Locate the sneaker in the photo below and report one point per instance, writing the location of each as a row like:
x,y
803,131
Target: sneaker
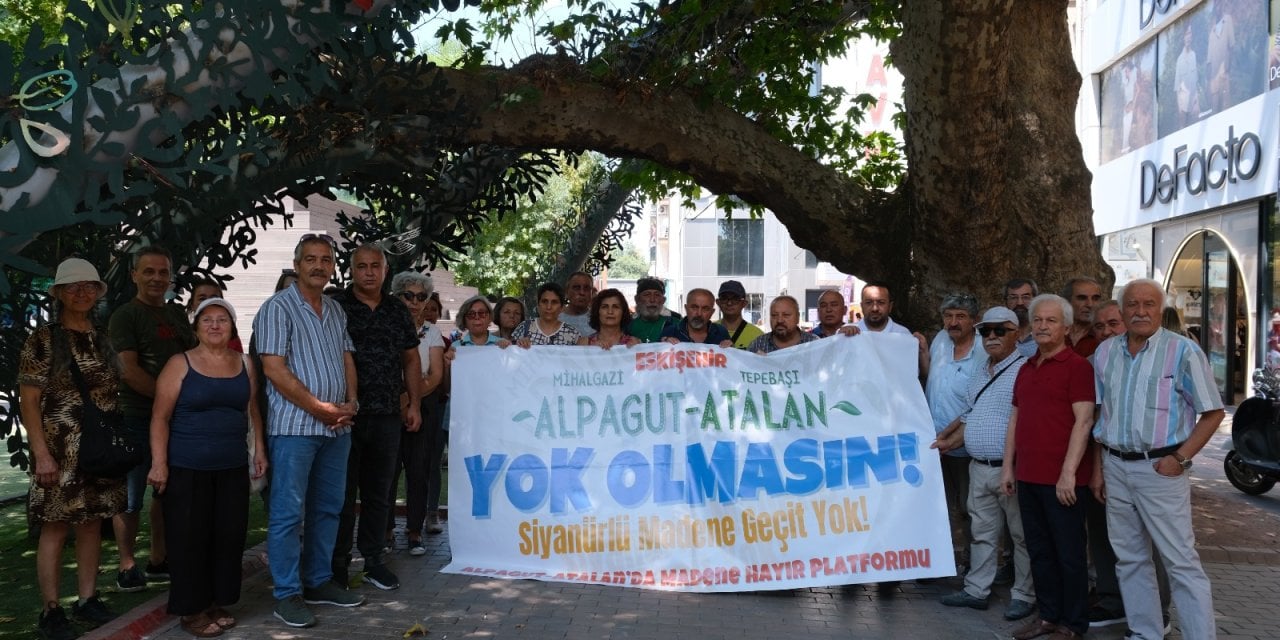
x,y
54,625
331,593
1004,575
381,577
963,599
294,612
1018,609
92,611
157,572
433,524
416,548
130,580
1103,617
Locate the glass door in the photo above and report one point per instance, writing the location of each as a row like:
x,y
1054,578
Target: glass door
x,y
1226,341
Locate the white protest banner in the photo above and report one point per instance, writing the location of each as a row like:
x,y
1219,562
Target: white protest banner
x,y
695,468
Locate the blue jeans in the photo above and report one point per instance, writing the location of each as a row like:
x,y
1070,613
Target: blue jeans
x,y
136,480
310,472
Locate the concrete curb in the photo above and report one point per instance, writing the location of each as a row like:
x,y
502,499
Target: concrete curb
x,y
151,616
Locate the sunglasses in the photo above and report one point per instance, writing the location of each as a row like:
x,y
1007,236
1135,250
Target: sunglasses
x,y
324,237
999,331
476,315
409,296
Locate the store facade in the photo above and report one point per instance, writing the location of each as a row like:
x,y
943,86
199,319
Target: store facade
x,y
1183,143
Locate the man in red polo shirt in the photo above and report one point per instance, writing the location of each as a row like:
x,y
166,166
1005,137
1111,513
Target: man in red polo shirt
x,y
1053,400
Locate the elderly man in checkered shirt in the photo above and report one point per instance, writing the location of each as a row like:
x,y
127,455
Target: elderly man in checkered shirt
x,y
981,430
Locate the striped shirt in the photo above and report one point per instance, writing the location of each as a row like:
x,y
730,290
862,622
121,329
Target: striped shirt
x,y
313,348
987,421
1151,400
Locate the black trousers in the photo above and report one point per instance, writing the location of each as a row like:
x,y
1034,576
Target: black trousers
x,y
1056,542
375,448
420,454
206,515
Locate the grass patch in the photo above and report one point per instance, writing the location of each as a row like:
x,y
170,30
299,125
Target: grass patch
x,y
21,604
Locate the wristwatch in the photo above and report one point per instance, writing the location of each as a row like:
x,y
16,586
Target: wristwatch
x,y
1185,462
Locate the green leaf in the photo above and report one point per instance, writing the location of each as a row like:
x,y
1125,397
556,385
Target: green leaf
x,y
847,407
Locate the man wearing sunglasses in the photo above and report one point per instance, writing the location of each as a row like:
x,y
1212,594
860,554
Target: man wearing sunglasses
x,y
981,430
387,366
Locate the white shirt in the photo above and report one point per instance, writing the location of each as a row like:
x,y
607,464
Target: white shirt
x,y
428,337
889,327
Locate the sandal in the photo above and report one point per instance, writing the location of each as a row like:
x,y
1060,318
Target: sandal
x,y
201,626
221,617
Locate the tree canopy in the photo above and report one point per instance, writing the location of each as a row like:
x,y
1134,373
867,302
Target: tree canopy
x,y
186,123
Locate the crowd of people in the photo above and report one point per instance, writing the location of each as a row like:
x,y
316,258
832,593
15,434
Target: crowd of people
x,y
1067,443
1067,446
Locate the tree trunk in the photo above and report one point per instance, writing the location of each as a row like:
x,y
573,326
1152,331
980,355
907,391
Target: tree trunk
x,y
998,186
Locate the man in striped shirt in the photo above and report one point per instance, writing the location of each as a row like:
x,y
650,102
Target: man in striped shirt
x,y
1159,406
311,401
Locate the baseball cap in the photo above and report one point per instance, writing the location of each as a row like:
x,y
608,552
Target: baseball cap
x,y
732,288
998,315
221,302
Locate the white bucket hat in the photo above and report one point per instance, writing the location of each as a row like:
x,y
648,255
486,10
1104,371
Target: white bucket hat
x,y
73,270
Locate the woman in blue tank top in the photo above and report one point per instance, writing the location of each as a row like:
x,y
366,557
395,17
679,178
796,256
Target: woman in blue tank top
x,y
205,405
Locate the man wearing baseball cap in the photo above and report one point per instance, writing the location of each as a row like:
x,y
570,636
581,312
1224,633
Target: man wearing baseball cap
x,y
731,299
981,430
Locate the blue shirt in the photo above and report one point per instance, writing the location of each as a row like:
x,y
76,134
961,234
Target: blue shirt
x,y
314,348
716,333
1151,400
948,383
209,422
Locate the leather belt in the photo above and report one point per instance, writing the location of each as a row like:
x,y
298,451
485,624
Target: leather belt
x,y
990,463
1153,454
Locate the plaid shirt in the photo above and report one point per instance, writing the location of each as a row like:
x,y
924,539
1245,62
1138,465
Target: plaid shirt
x,y
987,420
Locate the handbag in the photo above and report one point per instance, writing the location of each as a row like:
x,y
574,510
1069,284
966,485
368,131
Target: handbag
x,y
107,448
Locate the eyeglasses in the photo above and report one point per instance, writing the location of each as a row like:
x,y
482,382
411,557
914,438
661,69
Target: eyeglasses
x,y
324,237
476,315
87,286
409,296
999,331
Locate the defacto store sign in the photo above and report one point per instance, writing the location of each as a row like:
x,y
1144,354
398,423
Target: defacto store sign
x,y
1149,9
1198,171
694,468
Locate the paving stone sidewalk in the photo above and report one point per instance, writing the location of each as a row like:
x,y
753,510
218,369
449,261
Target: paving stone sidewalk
x,y
453,606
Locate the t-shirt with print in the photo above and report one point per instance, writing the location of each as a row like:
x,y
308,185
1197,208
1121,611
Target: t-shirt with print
x,y
155,334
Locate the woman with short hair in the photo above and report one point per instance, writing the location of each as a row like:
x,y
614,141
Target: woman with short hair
x,y
205,405
508,313
609,316
421,451
546,327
